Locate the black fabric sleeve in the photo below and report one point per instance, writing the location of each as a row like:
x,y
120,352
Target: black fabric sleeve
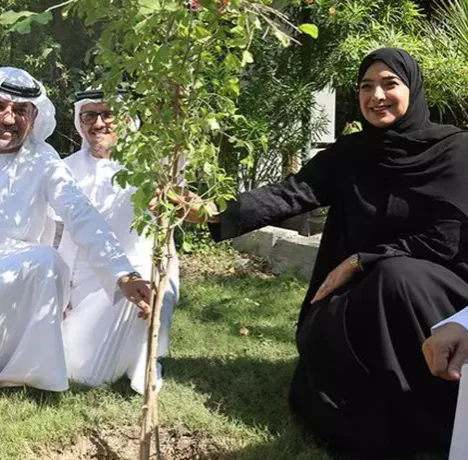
x,y
313,186
441,242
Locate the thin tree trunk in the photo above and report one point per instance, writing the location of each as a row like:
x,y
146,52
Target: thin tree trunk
x,y
160,276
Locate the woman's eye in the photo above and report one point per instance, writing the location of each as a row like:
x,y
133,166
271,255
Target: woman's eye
x,y
365,87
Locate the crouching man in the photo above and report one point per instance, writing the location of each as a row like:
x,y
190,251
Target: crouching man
x,y
103,339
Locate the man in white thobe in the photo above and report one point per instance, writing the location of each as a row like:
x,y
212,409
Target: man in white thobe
x,y
103,339
34,280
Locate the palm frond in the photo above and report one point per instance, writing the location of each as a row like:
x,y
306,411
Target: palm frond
x,y
452,16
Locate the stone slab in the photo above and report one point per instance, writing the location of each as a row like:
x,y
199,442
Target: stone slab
x,y
285,249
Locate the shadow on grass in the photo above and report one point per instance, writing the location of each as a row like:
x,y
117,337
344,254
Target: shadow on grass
x,y
255,392
247,299
252,391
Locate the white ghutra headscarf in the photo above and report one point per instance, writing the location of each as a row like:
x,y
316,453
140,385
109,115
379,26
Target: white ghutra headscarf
x,y
17,85
94,96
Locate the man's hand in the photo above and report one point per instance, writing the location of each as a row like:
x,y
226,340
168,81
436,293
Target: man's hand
x,y
138,291
447,350
190,207
337,278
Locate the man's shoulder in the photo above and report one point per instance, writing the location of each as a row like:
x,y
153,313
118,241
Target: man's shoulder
x,y
74,158
40,153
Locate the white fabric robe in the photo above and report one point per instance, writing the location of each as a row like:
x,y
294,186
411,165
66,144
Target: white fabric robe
x,y
34,280
104,338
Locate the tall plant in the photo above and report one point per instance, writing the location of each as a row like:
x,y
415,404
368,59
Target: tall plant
x,y
275,98
349,29
181,62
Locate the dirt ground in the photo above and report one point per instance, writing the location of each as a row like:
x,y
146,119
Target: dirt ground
x,y
122,443
193,266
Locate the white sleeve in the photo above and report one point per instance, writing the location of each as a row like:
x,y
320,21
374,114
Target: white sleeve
x,y
460,317
87,228
48,236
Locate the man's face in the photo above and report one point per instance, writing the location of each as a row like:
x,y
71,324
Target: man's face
x,y
16,122
97,123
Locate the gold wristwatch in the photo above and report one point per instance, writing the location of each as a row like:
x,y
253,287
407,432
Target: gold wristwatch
x,y
355,262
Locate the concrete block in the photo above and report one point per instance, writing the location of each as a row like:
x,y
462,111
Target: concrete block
x,y
260,242
285,249
294,254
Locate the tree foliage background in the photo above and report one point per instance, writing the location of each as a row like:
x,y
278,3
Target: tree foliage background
x,y
276,94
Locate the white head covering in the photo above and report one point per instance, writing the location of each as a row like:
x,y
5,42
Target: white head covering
x,y
78,105
18,86
95,97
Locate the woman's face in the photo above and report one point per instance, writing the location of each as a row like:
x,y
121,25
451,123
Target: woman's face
x,y
383,97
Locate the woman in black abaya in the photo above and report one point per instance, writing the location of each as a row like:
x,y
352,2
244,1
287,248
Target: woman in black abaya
x,y
393,262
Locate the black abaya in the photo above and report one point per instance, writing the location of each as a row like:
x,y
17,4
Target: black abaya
x,y
361,381
399,199
361,376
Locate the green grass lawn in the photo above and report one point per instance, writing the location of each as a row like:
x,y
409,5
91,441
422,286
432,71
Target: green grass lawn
x,y
227,377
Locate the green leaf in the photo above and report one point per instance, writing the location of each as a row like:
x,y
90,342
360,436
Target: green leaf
x,y
42,18
284,39
46,52
208,168
170,5
264,142
149,6
221,204
202,33
12,17
233,85
213,124
232,62
309,29
186,247
21,22
22,27
247,58
248,161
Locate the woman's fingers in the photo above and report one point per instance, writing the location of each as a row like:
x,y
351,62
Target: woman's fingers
x,y
322,292
189,203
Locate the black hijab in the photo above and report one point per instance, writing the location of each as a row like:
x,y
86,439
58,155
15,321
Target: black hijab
x,y
420,156
417,115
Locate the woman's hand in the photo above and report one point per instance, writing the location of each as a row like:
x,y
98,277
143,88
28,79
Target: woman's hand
x,y
338,277
190,206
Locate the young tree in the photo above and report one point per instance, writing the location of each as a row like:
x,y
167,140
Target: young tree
x,y
181,62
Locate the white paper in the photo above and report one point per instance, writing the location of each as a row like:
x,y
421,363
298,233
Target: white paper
x,y
459,446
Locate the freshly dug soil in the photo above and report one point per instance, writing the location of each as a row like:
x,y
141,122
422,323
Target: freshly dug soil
x,y
122,443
